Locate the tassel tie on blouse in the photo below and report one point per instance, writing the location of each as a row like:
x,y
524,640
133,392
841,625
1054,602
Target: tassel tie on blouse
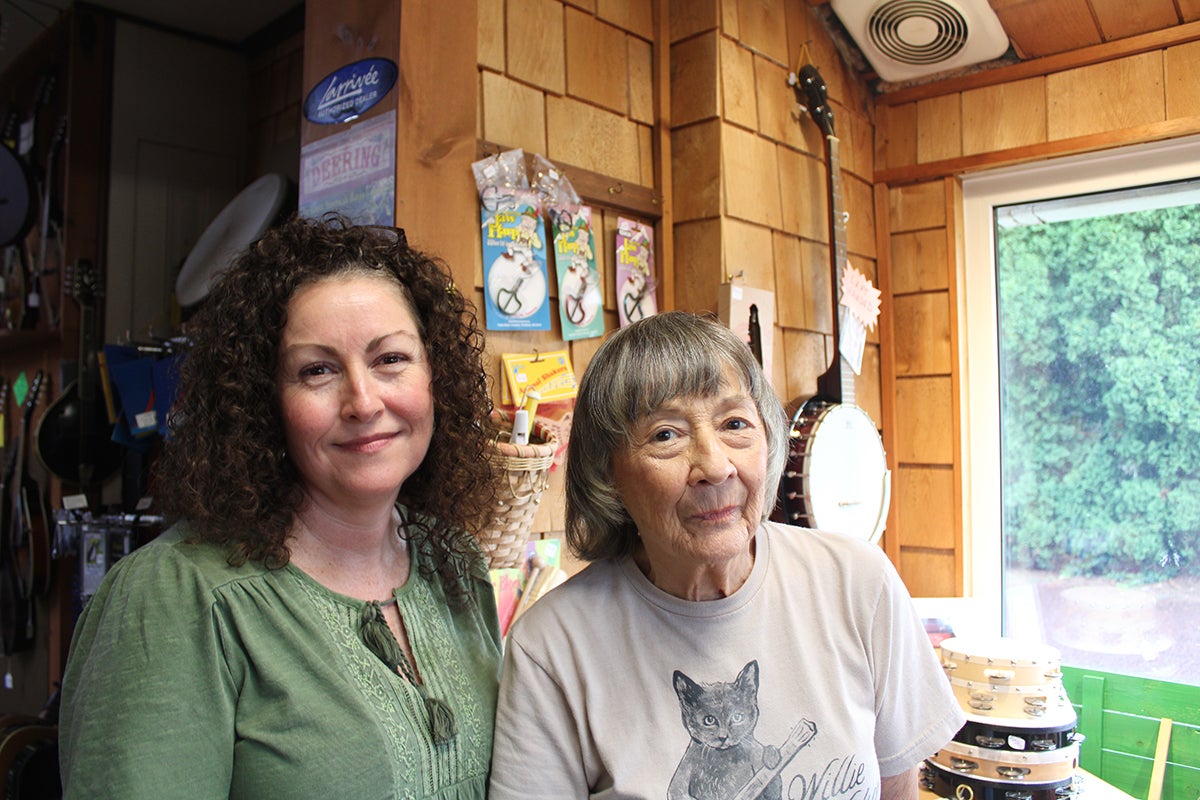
x,y
380,640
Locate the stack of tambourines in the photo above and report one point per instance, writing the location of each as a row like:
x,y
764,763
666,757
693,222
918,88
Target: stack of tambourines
x,y
1019,742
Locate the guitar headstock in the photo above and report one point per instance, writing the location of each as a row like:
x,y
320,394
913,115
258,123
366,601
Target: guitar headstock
x,y
34,396
45,91
811,92
8,129
60,135
84,282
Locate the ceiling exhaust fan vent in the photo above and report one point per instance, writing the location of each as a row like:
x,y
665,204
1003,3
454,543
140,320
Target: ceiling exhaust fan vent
x,y
906,39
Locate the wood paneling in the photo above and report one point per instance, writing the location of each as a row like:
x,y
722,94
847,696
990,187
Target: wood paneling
x,y
818,300
924,346
860,223
1003,116
896,135
920,261
1180,67
513,113
924,498
641,80
789,282
699,255
759,28
858,146
1105,97
924,420
1189,10
916,207
592,138
929,573
867,385
805,358
738,96
776,105
939,128
1041,29
490,43
749,252
435,197
694,79
696,162
1132,90
691,18
804,204
635,16
535,43
1121,18
751,177
597,60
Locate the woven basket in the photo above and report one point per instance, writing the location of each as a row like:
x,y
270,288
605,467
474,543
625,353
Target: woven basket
x,y
523,473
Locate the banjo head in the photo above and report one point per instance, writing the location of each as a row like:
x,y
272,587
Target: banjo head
x,y
836,477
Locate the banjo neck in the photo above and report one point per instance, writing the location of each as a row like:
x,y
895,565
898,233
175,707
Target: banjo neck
x,y
837,383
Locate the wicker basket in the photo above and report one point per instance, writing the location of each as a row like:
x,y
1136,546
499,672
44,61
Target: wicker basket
x,y
523,472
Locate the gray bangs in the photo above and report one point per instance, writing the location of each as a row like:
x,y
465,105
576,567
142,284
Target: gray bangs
x,y
666,361
686,373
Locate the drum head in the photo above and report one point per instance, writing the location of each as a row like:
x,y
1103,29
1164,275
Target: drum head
x,y
239,225
16,197
847,473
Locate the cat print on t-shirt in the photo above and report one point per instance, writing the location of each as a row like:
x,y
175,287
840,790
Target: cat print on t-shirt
x,y
724,760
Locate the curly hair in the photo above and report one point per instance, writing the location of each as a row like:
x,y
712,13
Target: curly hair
x,y
224,467
637,369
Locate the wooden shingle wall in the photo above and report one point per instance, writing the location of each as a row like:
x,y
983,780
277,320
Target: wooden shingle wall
x,y
750,176
922,385
690,98
576,83
926,138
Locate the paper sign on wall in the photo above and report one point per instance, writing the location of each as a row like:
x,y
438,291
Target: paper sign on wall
x,y
635,271
737,305
516,292
579,298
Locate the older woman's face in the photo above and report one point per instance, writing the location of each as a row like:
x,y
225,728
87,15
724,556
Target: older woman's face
x,y
355,389
692,476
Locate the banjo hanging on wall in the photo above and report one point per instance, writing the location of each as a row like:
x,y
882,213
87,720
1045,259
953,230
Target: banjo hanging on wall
x,y
836,478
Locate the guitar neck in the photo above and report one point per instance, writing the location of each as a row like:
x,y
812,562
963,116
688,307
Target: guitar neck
x,y
838,383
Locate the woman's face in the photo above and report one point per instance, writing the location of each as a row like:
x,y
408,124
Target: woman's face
x,y
354,388
692,476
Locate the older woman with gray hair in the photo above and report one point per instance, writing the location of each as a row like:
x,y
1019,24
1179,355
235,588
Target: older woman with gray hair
x,y
707,652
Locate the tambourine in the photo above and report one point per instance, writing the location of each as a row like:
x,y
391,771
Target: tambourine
x,y
1001,735
1001,661
1010,702
947,783
1051,766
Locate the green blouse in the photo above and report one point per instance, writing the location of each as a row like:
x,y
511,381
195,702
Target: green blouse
x,y
188,678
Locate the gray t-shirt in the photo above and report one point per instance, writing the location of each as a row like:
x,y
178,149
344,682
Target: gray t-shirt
x,y
818,666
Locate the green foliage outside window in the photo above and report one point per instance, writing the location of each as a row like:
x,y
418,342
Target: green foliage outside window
x,y
1099,323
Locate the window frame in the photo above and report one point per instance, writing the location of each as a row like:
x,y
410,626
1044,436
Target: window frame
x,y
980,610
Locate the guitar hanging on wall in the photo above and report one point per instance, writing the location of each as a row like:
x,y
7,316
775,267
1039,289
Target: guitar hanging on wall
x,y
23,562
74,436
836,478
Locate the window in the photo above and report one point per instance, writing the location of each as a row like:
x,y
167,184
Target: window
x,y
1095,590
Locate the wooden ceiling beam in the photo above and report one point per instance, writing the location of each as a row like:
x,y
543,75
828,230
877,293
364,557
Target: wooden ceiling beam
x,y
1096,54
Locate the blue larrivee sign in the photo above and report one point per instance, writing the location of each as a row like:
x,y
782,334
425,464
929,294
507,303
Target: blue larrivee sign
x,y
346,93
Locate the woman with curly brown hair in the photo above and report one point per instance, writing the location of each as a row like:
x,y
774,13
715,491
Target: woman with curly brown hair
x,y
318,623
